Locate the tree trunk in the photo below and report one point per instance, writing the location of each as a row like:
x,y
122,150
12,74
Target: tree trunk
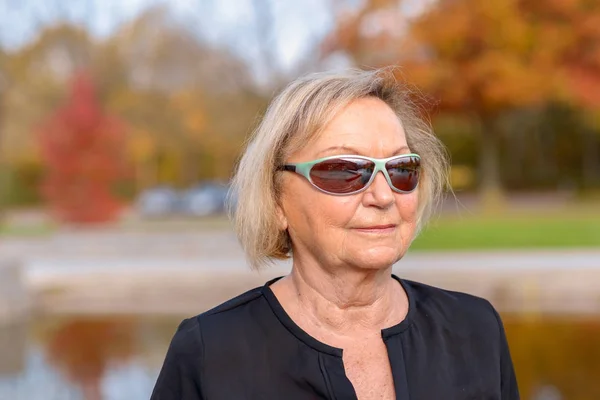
x,y
548,163
3,168
590,159
190,165
490,185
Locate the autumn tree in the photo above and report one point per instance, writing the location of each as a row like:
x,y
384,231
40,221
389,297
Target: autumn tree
x,y
187,103
82,149
36,80
26,91
576,27
480,59
206,97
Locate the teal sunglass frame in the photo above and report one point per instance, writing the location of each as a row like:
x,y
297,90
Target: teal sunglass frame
x,y
412,166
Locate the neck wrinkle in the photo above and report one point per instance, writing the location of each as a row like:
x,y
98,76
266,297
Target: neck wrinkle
x,y
354,301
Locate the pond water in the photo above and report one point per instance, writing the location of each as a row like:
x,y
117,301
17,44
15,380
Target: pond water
x,y
113,358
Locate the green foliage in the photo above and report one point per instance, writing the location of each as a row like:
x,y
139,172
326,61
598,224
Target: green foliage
x,y
24,179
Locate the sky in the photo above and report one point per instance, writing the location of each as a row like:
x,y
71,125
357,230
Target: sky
x,y
297,23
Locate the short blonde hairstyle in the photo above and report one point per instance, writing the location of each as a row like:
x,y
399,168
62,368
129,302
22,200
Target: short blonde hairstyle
x,y
297,115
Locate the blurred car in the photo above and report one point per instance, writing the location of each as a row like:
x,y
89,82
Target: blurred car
x,y
205,199
156,202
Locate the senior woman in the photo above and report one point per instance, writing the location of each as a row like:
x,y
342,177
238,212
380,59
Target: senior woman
x,y
340,176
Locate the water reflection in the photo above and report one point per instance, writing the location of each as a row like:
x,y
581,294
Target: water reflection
x,y
556,358
84,358
116,358
13,342
84,349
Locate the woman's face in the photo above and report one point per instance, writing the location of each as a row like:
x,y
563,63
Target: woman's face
x,y
336,231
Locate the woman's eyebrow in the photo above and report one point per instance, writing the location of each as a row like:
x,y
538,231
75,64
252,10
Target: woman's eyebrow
x,y
352,150
401,150
345,149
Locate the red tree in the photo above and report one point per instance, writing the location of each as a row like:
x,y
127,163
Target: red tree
x,y
83,152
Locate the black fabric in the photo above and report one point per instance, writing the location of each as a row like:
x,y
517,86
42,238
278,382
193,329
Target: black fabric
x,y
451,345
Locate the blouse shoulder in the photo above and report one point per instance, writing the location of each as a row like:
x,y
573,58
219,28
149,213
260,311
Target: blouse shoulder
x,y
188,337
234,303
180,375
454,308
467,318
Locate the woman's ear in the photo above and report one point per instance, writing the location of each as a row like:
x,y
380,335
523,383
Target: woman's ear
x,y
282,222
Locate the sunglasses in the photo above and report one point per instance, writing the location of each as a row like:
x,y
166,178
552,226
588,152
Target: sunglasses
x,y
345,175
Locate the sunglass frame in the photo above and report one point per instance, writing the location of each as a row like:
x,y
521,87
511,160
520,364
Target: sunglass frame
x,y
304,168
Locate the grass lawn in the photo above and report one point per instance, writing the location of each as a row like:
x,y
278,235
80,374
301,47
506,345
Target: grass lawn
x,y
575,226
514,231
26,230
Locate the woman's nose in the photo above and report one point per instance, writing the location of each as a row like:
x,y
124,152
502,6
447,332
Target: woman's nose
x,y
379,193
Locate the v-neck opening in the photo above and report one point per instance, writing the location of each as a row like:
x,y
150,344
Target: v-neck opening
x,y
303,336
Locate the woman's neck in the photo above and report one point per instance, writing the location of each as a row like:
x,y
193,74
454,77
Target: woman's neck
x,y
348,302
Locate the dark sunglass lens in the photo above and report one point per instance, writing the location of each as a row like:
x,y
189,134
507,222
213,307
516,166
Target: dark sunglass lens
x,y
342,175
404,173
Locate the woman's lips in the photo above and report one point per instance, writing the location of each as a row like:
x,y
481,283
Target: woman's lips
x,y
377,229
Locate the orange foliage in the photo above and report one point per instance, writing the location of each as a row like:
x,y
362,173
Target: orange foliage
x,y
484,57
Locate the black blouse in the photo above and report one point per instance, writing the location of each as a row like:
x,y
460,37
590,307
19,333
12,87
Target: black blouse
x,y
450,346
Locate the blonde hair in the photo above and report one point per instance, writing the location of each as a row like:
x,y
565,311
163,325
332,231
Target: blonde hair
x,y
295,116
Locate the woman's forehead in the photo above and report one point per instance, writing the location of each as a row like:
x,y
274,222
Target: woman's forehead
x,y
364,115
364,126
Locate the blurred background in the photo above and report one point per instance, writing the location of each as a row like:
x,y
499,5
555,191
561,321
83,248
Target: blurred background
x,y
121,122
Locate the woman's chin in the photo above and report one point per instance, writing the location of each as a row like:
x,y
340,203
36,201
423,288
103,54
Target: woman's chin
x,y
376,258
